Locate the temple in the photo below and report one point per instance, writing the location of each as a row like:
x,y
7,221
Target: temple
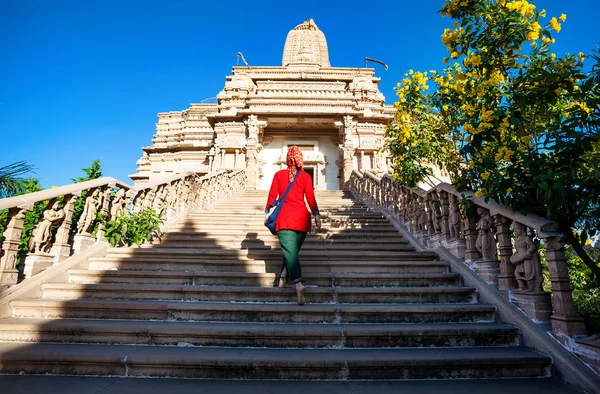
x,y
337,116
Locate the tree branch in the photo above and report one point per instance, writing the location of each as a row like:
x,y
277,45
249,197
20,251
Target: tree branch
x,y
591,264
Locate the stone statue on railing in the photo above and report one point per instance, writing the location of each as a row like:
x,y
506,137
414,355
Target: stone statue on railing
x,y
118,204
88,217
42,232
454,219
436,213
159,200
421,215
528,270
486,243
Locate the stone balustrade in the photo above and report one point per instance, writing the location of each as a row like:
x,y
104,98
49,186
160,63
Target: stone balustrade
x,y
54,236
481,234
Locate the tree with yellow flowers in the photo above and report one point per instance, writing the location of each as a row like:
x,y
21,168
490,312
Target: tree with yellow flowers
x,y
507,118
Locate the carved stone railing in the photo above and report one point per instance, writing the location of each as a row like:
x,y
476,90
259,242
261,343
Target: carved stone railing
x,y
54,238
480,233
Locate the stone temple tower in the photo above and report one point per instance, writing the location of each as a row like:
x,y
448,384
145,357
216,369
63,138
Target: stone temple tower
x,y
335,115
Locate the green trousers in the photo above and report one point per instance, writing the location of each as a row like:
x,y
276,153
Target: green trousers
x,y
291,241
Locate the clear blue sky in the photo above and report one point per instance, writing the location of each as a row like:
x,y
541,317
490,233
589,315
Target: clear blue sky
x,y
84,79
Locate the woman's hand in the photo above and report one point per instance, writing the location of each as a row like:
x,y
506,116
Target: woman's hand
x,y
317,222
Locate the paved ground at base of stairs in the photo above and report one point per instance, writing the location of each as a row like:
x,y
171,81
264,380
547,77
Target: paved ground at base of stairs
x,y
25,384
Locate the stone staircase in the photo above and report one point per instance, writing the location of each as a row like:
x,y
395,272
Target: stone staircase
x,y
202,302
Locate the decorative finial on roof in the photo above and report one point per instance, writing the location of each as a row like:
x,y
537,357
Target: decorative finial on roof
x,y
306,44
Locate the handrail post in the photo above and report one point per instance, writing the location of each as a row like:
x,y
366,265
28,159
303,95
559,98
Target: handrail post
x,y
565,322
9,273
506,277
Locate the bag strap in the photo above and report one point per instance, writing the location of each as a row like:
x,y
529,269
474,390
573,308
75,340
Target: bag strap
x,y
282,199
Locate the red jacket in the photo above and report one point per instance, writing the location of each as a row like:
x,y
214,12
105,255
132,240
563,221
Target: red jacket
x,y
293,214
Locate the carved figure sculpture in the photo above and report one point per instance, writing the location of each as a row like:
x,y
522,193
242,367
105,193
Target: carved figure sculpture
x,y
436,213
528,270
486,243
88,217
42,233
159,200
349,129
118,203
252,129
421,214
454,219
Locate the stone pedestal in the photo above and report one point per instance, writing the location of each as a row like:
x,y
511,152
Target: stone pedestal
x,y
458,247
82,241
36,263
171,213
537,305
8,278
434,241
422,236
487,269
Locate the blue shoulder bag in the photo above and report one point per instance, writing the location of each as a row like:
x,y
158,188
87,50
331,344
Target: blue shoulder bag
x,y
271,222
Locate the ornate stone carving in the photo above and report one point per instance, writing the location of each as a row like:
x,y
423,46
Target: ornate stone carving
x,y
118,204
42,232
349,129
252,129
88,217
306,44
486,243
454,218
528,270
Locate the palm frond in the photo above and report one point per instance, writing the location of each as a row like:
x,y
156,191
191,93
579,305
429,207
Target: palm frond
x,y
11,178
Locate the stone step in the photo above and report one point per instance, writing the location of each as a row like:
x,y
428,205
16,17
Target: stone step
x,y
254,245
253,312
333,295
305,364
260,279
258,334
339,238
260,227
263,232
305,255
272,265
259,220
260,214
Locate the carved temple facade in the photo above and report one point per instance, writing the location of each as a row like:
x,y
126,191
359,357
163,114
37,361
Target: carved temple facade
x,y
337,116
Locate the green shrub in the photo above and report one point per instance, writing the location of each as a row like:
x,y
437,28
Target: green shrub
x,y
134,229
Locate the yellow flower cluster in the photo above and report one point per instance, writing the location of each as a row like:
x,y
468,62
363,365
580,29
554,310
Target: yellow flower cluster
x,y
450,36
521,6
547,40
485,176
504,153
453,5
479,193
534,33
581,106
503,128
555,25
474,60
526,139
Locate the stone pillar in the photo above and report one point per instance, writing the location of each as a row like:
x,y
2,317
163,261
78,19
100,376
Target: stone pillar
x,y
445,213
565,321
251,168
61,249
347,154
104,209
10,246
506,277
362,166
470,233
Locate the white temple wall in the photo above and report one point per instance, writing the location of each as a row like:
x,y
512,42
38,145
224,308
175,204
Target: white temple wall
x,y
273,152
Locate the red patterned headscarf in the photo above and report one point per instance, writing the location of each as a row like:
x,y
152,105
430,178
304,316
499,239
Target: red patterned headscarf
x,y
295,161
